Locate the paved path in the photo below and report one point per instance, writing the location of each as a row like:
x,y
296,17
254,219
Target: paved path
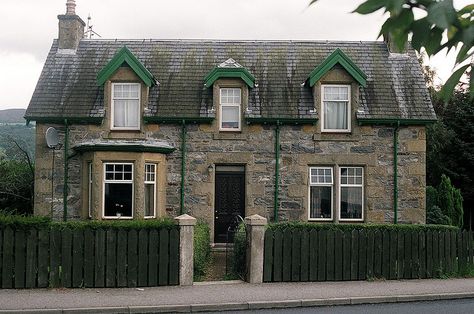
x,y
232,295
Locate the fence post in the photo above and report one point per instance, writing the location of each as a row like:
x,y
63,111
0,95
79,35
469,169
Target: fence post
x,y
255,244
186,225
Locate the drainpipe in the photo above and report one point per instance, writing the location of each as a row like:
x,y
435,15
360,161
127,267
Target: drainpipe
x,y
183,164
277,170
395,172
66,169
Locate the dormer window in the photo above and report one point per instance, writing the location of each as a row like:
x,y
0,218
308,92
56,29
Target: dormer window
x,y
125,106
336,108
230,109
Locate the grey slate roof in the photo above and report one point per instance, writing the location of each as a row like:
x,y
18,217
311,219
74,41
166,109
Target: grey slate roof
x,y
68,88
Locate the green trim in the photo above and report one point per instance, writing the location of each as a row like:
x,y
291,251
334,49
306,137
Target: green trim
x,y
277,172
60,120
218,73
178,120
136,148
66,169
183,166
395,174
281,121
338,57
395,121
124,55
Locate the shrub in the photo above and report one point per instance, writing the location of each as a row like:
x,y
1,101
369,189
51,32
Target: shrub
x,y
349,227
434,215
239,263
202,250
431,197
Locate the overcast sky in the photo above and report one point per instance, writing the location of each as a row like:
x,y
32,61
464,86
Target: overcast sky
x,y
28,27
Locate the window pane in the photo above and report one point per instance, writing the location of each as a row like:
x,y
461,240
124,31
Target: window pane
x,y
126,113
336,93
230,96
320,201
230,117
335,115
351,202
149,200
118,199
321,175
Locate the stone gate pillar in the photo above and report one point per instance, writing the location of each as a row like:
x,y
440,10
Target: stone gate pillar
x,y
186,249
255,226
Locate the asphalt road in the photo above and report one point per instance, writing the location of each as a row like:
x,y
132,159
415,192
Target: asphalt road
x,y
462,306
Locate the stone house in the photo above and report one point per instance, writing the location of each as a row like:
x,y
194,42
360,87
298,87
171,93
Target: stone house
x,y
314,131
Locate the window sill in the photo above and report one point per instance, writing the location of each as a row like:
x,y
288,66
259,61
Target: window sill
x,y
351,220
321,219
116,218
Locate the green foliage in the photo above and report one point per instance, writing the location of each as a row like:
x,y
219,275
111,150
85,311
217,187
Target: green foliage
x,y
449,145
202,250
431,197
16,187
239,262
458,208
350,227
40,222
435,216
445,196
440,26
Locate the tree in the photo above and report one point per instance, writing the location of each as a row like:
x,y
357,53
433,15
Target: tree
x,y
440,26
17,179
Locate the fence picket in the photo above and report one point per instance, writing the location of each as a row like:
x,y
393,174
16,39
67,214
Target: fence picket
x,y
278,255
322,239
164,257
330,260
422,250
415,255
429,254
296,255
313,255
43,258
400,255
304,260
143,258
286,266
354,254
20,259
66,258
111,258
442,265
31,258
89,258
407,265
122,258
338,242
78,258
393,247
436,266
362,273
349,257
153,258
7,268
174,257
447,253
268,256
132,258
99,260
370,254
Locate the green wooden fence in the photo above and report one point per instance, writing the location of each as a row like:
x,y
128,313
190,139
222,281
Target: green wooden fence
x,y
326,255
40,258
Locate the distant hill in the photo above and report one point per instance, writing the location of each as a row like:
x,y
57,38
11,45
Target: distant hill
x,y
12,116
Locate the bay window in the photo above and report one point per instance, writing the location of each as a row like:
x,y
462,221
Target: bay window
x,y
336,108
351,193
320,193
118,190
150,190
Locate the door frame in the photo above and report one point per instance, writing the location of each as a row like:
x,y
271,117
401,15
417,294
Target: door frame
x,y
213,209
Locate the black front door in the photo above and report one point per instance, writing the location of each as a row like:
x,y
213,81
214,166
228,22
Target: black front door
x,y
229,200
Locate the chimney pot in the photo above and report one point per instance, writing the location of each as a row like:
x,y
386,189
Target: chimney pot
x,y
71,7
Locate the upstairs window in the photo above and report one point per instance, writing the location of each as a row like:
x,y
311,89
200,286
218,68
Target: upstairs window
x,y
336,108
320,193
230,109
126,106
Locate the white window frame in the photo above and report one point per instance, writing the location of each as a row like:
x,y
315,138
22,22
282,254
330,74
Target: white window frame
x,y
239,106
112,116
120,182
147,182
321,184
351,185
323,128
89,188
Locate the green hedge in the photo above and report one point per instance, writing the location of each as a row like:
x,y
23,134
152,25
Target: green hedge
x,y
344,227
39,222
202,250
240,250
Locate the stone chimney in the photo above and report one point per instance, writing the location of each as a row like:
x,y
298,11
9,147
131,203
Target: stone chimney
x,y
392,46
71,28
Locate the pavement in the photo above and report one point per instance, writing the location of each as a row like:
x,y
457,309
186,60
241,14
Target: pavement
x,y
231,295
